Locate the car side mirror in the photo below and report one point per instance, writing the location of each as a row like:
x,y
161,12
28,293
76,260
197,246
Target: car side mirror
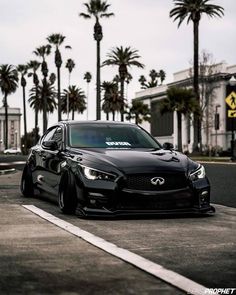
x,y
50,145
168,146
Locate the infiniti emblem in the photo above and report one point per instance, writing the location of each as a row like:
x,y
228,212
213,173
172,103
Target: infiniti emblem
x,y
157,181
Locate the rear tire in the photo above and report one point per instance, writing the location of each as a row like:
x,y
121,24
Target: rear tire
x,y
67,199
26,186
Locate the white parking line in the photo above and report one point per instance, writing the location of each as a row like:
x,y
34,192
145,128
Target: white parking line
x,y
12,163
146,265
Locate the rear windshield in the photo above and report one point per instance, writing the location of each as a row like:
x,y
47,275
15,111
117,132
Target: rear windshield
x,y
110,136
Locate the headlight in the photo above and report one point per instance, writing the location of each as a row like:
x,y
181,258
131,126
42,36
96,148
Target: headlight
x,y
94,174
198,174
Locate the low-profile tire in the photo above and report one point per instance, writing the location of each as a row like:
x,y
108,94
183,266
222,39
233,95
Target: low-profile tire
x,y
67,199
27,186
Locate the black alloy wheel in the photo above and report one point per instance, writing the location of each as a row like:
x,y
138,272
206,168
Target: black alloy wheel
x,y
67,199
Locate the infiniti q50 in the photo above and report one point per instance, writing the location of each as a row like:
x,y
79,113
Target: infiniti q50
x,y
111,168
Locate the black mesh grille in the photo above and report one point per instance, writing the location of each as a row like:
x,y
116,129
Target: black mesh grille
x,y
143,181
179,200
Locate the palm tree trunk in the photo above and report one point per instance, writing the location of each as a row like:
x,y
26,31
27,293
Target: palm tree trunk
x,y
44,106
113,115
6,121
107,116
98,38
36,126
87,100
59,93
25,122
179,126
122,96
73,114
98,82
196,121
36,117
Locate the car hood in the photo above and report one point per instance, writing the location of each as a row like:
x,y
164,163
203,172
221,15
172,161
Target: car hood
x,y
142,161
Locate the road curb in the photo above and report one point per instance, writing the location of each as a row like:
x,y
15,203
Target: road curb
x,y
7,171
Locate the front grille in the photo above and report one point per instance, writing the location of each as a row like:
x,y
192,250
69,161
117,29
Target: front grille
x,y
173,181
178,200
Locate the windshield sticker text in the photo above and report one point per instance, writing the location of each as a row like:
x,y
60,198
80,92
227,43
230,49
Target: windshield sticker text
x,y
117,143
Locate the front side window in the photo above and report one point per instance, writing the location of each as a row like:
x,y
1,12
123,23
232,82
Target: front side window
x,y
110,136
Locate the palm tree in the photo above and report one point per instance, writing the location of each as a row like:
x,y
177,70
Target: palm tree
x,y
192,10
162,75
8,85
142,80
70,64
154,76
183,102
139,111
97,9
76,100
22,69
42,52
57,40
37,95
34,65
112,101
87,78
123,58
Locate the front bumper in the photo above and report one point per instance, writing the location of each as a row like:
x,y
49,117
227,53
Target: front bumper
x,y
103,212
115,201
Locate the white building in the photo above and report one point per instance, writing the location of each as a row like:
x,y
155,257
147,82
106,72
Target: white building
x,y
164,127
14,130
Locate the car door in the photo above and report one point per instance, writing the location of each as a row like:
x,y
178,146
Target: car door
x,y
52,161
41,173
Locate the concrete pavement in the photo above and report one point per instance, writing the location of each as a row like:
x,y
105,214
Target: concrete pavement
x,y
37,257
202,249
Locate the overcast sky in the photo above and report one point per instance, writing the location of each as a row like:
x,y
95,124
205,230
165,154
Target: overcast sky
x,y
142,24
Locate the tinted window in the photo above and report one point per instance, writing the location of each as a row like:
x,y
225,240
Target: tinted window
x,y
110,136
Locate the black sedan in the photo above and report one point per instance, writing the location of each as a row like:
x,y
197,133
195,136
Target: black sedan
x,y
110,168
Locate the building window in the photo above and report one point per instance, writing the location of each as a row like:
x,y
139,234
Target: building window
x,y
12,139
12,125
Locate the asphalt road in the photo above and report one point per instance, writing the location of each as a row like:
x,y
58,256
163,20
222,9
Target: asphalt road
x,y
37,257
223,183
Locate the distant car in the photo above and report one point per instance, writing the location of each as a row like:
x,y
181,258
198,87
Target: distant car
x,y
112,168
15,151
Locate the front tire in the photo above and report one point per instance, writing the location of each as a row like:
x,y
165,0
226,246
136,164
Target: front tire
x,y
26,186
67,199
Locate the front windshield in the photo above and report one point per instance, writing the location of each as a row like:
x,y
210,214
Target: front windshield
x,y
110,136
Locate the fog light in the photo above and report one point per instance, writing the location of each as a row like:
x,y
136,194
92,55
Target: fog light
x,y
204,193
204,198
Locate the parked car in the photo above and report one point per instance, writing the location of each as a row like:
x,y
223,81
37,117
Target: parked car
x,y
111,168
13,151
